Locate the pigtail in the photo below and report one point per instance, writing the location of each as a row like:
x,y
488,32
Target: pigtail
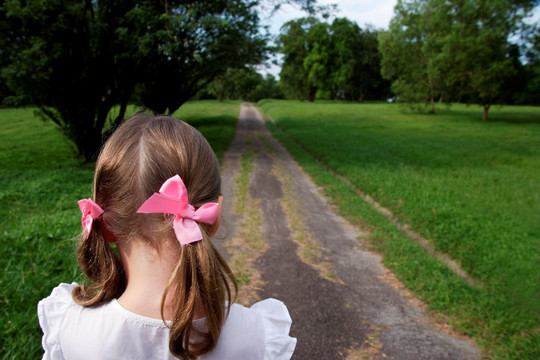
x,y
98,261
132,165
201,278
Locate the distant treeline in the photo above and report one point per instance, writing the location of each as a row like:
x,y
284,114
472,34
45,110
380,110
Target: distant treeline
x,y
477,51
434,51
76,60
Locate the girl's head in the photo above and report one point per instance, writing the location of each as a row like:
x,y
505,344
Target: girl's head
x,y
137,159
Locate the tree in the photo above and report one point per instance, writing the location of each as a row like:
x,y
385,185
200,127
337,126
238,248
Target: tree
x,y
531,94
244,84
355,72
514,87
437,47
317,59
340,60
192,46
411,50
235,84
267,89
293,44
77,59
59,57
479,39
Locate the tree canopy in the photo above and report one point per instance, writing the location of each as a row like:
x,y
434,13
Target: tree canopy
x,y
75,60
336,61
356,68
451,49
293,44
244,84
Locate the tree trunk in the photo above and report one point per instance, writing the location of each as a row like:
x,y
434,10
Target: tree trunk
x,y
121,114
311,95
432,105
362,96
486,109
50,114
88,142
117,121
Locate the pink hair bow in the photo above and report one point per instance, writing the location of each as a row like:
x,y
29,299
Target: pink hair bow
x,y
173,199
90,212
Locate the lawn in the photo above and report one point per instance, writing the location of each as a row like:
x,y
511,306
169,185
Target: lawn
x,y
41,179
471,187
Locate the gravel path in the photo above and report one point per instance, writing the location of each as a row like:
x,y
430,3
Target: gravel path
x,y
339,295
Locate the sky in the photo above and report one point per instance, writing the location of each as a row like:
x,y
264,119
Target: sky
x,y
373,12
377,13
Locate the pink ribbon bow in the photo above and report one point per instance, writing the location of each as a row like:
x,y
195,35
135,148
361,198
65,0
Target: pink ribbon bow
x,y
173,199
90,212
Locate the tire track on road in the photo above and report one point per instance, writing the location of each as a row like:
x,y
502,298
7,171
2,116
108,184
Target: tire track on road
x,y
342,308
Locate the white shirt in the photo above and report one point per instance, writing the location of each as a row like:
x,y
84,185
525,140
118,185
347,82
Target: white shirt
x,y
109,331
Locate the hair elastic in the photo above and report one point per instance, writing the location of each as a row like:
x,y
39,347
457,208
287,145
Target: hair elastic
x,y
90,212
173,199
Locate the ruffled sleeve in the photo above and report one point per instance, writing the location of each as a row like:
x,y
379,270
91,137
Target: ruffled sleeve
x,y
51,312
277,324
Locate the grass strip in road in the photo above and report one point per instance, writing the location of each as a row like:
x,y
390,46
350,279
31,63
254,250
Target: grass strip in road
x,y
470,187
308,249
247,244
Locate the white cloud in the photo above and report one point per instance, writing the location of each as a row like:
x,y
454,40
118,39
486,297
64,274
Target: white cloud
x,y
374,12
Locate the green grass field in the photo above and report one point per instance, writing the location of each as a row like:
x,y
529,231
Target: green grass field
x,y
41,180
471,187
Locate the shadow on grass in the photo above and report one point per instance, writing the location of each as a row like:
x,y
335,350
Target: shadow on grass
x,y
497,113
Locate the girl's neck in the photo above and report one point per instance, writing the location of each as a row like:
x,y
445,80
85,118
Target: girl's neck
x,y
148,272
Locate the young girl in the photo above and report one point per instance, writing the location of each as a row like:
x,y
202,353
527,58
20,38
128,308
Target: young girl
x,y
169,293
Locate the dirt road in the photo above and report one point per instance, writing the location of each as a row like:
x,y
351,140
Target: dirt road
x,y
285,242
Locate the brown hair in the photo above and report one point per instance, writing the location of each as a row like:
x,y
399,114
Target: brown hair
x,y
133,164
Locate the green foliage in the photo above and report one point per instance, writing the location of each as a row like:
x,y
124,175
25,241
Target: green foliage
x,y
267,89
234,84
52,58
330,61
75,60
468,186
531,94
451,50
196,42
294,46
41,180
411,51
244,84
480,41
317,60
355,73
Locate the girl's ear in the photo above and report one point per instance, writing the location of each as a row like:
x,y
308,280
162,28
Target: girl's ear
x,y
215,226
